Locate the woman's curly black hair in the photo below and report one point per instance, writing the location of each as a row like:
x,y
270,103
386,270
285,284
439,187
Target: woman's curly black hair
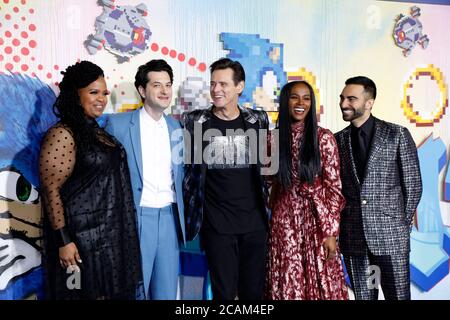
x,y
67,106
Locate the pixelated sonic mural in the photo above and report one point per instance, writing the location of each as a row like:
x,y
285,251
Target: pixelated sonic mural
x,y
263,65
408,32
430,237
193,94
425,108
122,30
25,115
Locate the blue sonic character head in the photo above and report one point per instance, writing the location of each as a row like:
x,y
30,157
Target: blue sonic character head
x,y
263,64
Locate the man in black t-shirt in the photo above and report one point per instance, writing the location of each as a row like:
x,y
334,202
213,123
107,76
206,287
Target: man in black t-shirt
x,y
224,193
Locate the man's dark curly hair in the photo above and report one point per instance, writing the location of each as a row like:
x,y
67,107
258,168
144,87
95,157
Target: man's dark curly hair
x,y
67,106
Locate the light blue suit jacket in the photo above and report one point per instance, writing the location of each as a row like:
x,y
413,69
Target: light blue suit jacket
x,y
126,128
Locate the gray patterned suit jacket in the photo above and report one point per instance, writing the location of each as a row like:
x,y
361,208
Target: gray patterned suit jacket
x,y
380,210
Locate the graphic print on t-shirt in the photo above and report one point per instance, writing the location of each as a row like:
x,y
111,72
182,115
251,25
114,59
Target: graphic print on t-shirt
x,y
228,152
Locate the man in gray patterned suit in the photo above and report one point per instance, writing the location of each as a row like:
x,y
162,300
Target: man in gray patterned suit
x,y
382,185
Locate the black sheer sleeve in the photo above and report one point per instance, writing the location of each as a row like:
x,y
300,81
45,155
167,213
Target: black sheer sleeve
x,y
56,164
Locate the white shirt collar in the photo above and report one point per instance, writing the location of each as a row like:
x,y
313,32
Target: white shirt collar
x,y
147,118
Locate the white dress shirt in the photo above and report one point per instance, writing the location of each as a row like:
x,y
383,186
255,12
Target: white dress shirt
x,y
158,190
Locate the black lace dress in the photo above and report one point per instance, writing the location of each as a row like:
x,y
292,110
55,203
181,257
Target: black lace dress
x,y
90,194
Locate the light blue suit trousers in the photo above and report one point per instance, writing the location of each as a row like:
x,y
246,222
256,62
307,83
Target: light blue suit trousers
x,y
160,252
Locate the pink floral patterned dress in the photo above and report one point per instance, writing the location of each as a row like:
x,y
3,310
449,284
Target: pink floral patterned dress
x,y
303,217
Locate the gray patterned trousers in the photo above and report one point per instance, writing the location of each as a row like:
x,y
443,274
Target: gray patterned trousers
x,y
391,271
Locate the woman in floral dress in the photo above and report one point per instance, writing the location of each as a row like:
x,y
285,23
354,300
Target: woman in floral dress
x,y
303,258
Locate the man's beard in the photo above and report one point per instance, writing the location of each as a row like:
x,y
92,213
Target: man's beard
x,y
356,113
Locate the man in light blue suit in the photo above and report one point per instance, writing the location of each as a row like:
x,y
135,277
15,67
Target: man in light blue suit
x,y
154,146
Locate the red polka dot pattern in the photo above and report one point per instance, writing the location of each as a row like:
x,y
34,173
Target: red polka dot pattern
x,y
18,40
18,43
178,55
202,67
192,62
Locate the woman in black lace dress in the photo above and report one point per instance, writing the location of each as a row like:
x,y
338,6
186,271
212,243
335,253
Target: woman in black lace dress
x,y
92,242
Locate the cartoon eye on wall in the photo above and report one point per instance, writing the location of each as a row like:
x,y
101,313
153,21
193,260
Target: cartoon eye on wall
x,y
15,187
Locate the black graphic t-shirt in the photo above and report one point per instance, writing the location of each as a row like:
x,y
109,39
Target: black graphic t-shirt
x,y
233,200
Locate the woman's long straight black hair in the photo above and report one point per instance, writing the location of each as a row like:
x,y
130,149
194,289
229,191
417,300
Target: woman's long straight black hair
x,y
309,153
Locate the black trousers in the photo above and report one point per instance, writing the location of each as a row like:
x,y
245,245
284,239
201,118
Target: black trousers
x,y
236,263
